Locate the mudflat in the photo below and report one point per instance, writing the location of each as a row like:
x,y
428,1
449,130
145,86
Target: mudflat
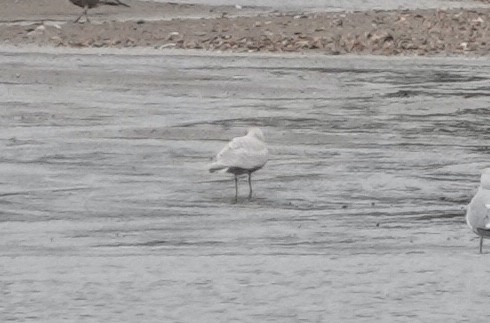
x,y
249,29
109,214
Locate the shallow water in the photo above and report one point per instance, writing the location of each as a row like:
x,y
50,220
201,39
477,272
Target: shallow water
x,y
109,214
338,5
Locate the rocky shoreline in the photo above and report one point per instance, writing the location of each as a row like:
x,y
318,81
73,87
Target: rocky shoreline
x,y
400,32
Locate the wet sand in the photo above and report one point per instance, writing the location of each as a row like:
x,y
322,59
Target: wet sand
x,y
109,214
251,29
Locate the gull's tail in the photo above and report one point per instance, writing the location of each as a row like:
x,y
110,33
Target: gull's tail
x,y
216,167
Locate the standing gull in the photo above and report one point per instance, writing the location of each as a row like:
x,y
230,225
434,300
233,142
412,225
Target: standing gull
x,y
88,4
478,212
242,155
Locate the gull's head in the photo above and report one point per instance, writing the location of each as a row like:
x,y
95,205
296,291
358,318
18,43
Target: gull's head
x,y
257,133
485,179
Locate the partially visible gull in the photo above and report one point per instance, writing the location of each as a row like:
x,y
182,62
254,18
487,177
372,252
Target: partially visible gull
x,y
478,212
88,4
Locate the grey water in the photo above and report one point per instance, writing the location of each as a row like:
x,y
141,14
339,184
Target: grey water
x,y
108,212
341,5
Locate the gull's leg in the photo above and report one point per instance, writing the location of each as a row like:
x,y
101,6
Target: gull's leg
x,y
236,189
84,13
76,20
250,185
481,244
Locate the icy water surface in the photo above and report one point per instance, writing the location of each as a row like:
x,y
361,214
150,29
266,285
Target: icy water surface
x,y
108,213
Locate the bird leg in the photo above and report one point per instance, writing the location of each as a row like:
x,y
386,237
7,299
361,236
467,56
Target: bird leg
x,y
481,244
236,189
250,185
76,20
84,13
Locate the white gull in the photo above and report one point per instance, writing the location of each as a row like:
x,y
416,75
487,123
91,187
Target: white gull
x,y
242,155
478,212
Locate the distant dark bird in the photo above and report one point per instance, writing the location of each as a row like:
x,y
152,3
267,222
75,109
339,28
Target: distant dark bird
x,y
242,155
478,212
88,4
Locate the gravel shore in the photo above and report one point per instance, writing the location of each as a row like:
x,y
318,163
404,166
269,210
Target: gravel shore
x,y
157,25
